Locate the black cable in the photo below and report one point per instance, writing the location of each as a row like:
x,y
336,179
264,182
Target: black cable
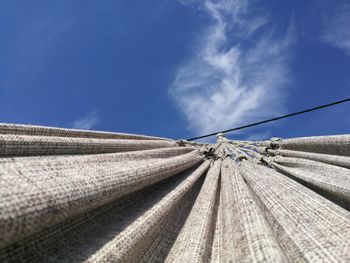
x,y
270,120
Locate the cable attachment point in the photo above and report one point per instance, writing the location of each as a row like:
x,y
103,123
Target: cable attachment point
x,y
275,142
221,137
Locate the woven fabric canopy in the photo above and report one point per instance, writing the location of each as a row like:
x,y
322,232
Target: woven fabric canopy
x,y
83,196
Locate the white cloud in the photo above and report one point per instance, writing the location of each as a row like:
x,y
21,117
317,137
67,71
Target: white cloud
x,y
87,122
337,28
239,73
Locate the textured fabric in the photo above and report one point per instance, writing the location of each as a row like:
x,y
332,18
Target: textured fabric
x,y
17,129
85,196
247,236
131,244
73,160
116,226
336,145
23,145
307,226
329,178
195,239
45,195
337,160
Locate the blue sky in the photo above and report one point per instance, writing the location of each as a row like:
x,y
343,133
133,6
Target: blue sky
x,y
176,68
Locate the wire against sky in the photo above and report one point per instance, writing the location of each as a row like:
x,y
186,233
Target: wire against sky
x,y
271,120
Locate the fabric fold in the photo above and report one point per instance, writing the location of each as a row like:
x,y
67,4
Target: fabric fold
x,y
24,145
335,145
35,196
247,236
332,179
65,161
343,161
132,243
20,129
308,226
194,242
117,224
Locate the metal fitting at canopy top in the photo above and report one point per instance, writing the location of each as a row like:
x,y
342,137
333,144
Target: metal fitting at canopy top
x,y
221,137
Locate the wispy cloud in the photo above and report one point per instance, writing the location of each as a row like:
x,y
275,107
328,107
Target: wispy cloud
x,y
239,73
337,28
87,122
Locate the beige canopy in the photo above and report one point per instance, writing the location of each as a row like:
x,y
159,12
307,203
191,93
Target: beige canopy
x,y
83,196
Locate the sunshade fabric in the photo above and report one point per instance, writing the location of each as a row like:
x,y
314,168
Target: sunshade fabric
x,y
85,196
